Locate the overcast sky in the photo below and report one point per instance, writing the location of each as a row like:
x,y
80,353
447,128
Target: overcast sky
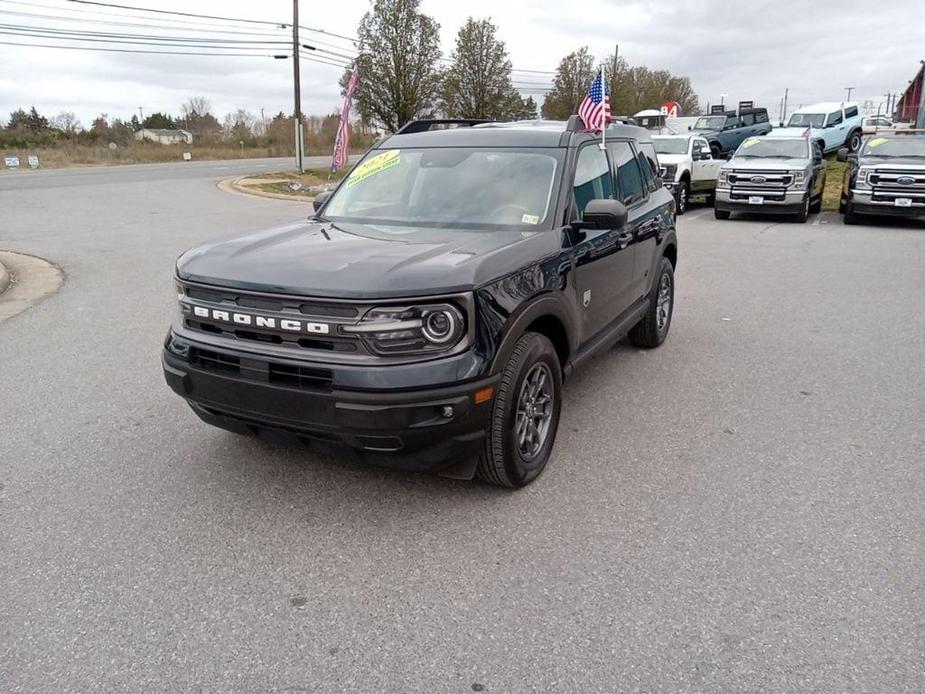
x,y
748,50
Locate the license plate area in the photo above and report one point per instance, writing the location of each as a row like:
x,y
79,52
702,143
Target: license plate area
x,y
755,200
903,202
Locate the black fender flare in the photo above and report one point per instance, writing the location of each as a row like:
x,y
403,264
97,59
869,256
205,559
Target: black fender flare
x,y
538,307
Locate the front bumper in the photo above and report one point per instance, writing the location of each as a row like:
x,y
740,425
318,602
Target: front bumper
x,y
865,201
428,429
786,202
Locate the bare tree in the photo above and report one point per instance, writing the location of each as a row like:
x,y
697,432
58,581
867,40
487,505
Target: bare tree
x,y
67,123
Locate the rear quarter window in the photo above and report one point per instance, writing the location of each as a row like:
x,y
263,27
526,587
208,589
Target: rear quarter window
x,y
851,112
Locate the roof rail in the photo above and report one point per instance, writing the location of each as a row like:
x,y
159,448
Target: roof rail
x,y
420,126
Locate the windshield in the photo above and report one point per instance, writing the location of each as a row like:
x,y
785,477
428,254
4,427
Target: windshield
x,y
710,123
902,146
770,148
803,120
671,145
456,187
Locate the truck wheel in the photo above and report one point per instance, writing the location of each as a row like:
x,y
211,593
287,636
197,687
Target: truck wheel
x,y
525,415
850,217
683,196
854,141
801,216
721,214
652,330
716,150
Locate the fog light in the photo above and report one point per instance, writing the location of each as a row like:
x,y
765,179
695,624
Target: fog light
x,y
448,412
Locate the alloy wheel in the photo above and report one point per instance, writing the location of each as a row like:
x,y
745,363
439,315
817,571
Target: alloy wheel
x,y
534,411
663,302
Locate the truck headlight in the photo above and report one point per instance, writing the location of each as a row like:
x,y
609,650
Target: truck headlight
x,y
862,179
669,171
799,177
404,330
723,176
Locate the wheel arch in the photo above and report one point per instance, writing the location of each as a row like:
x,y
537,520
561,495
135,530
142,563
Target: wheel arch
x,y
545,315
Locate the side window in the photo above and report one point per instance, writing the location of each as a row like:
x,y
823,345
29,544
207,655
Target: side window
x,y
761,117
748,119
593,179
834,118
648,160
851,112
629,176
702,144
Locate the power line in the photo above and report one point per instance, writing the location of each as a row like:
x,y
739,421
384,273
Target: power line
x,y
138,42
129,50
179,14
65,33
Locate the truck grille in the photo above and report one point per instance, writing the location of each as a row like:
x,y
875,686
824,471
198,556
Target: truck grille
x,y
262,319
890,184
771,185
288,375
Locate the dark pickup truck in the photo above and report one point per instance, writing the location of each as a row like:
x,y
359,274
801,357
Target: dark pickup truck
x,y
429,310
726,131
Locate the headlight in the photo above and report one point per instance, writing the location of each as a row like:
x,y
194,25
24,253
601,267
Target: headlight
x,y
723,176
669,171
402,330
862,178
799,177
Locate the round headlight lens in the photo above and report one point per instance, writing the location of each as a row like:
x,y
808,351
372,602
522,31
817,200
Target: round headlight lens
x,y
439,327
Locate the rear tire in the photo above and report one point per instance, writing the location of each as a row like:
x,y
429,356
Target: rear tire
x,y
721,214
509,458
652,329
716,150
854,141
801,216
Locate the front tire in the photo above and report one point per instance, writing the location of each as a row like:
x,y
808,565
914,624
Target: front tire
x,y
850,217
652,330
721,214
525,415
682,197
803,214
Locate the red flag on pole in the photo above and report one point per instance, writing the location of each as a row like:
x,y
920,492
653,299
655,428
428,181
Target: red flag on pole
x,y
342,140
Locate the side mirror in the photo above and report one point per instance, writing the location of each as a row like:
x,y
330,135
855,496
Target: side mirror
x,y
705,153
842,154
604,214
320,199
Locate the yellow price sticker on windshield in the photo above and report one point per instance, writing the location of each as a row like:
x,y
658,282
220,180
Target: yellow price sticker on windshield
x,y
374,165
876,142
751,142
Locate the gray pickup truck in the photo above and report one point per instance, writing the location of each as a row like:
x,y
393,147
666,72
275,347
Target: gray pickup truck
x,y
772,175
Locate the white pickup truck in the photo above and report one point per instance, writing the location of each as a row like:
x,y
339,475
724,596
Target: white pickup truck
x,y
687,167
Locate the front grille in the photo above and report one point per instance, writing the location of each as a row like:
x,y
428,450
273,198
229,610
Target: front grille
x,y
773,180
890,184
262,371
277,311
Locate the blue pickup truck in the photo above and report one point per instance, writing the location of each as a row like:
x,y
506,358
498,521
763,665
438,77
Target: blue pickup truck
x,y
726,130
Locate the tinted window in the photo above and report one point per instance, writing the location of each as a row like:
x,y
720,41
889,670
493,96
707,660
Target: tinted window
x,y
851,112
761,117
592,177
629,177
748,119
834,118
648,160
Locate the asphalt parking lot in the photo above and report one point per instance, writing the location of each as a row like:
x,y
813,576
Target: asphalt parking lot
x,y
738,511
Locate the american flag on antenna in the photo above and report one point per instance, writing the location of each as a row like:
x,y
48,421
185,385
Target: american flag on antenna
x,y
342,139
595,109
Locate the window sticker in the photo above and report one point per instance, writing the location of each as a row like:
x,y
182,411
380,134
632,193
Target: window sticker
x,y
374,165
750,142
530,219
876,142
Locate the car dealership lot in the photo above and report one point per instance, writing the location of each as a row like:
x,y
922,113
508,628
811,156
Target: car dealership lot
x,y
740,510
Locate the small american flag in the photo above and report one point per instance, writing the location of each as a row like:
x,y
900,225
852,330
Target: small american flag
x,y
342,139
595,109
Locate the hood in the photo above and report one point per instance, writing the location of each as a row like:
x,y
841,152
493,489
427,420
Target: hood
x,y
910,163
674,159
310,258
766,164
794,132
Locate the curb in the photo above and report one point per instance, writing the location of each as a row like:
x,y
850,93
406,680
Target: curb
x,y
231,185
5,278
36,279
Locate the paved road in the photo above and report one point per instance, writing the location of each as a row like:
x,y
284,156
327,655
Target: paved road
x,y
738,511
83,177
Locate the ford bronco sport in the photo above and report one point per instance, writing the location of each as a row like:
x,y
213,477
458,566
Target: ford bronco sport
x,y
429,311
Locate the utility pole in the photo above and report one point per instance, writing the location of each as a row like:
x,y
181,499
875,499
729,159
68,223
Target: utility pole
x,y
849,90
613,76
297,85
783,118
141,117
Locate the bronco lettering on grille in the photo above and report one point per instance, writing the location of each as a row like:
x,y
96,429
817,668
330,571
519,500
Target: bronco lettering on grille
x,y
295,326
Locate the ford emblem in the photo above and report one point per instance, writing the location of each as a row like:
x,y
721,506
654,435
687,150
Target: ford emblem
x,y
758,179
905,181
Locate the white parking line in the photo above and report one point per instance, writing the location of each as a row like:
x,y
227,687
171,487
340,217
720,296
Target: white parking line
x,y
697,215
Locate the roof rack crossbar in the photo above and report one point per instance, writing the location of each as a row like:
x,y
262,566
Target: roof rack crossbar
x,y
425,124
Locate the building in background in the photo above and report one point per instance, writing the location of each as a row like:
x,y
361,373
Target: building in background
x,y
910,105
165,136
